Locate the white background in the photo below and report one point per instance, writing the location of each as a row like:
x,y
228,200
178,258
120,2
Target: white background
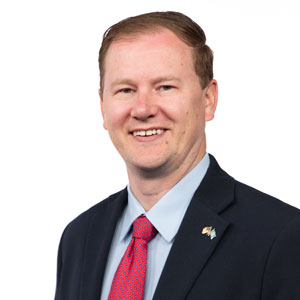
x,y
55,158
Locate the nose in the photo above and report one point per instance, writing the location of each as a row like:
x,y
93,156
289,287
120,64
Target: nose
x,y
144,106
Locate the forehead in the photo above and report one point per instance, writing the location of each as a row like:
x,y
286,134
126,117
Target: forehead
x,y
152,51
157,36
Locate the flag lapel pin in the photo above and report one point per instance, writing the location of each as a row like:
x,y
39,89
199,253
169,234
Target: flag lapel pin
x,y
209,231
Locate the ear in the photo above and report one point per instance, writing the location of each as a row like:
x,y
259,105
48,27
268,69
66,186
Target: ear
x,y
102,108
211,99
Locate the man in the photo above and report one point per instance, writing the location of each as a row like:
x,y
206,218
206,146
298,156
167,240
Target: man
x,y
208,236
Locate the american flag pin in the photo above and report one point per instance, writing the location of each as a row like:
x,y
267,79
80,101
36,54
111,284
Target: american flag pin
x,y
209,231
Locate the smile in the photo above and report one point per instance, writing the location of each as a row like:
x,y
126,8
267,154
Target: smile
x,y
148,132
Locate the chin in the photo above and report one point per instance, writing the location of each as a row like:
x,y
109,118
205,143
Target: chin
x,y
148,166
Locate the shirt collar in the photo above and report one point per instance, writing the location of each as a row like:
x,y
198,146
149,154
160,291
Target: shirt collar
x,y
167,214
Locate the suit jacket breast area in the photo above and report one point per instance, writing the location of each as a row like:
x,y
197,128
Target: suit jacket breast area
x,y
255,254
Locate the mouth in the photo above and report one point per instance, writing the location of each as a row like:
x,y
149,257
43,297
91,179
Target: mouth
x,y
148,132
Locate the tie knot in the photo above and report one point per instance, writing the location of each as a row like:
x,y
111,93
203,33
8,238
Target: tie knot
x,y
143,229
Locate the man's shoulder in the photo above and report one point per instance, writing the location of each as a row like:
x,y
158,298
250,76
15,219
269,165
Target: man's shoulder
x,y
81,223
260,199
263,209
247,199
248,203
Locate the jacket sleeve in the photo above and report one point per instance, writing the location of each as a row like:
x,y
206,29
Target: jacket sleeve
x,y
282,273
59,266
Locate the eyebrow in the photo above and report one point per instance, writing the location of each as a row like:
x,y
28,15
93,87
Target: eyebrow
x,y
165,78
122,81
154,81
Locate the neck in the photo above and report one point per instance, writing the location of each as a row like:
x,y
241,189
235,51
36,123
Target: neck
x,y
150,186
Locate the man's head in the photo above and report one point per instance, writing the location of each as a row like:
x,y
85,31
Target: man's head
x,y
154,106
182,26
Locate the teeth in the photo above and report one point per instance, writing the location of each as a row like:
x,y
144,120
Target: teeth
x,y
148,132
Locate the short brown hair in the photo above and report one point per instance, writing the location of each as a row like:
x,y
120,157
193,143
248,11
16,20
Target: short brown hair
x,y
181,25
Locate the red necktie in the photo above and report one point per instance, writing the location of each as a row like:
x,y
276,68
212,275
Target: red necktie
x,y
129,279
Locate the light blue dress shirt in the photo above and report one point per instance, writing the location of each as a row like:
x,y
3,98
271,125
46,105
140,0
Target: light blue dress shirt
x,y
166,216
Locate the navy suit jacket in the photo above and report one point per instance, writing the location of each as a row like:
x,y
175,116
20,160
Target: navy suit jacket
x,y
254,256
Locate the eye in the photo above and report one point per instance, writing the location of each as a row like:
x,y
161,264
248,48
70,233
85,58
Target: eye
x,y
125,91
166,87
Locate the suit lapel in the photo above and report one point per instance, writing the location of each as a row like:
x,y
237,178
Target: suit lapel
x,y
191,249
99,238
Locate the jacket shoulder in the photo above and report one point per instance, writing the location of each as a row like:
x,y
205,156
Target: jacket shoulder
x,y
82,221
262,208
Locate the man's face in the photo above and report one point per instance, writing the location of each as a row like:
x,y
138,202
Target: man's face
x,y
153,105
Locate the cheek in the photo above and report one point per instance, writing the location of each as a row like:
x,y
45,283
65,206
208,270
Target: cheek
x,y
173,108
198,108
195,118
114,116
